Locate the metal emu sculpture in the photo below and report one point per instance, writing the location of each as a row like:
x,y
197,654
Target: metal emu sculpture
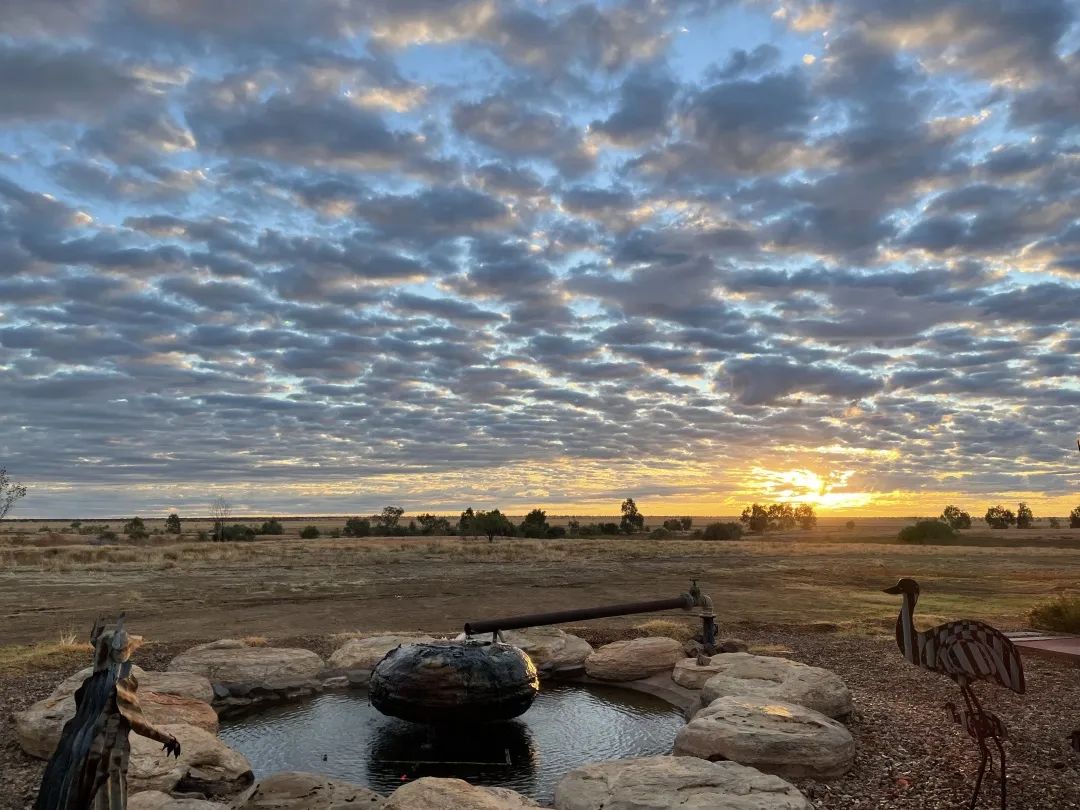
x,y
88,770
966,651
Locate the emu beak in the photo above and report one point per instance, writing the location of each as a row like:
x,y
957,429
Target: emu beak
x,y
895,589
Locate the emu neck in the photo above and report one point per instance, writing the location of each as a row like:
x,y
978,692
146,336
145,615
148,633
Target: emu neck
x,y
906,634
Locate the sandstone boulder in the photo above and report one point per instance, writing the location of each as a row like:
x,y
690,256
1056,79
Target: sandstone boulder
x,y
181,684
38,728
770,678
206,765
551,650
674,783
294,790
775,737
634,659
365,653
431,793
156,800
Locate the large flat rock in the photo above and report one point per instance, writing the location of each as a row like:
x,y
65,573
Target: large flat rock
x,y
775,737
156,800
431,793
365,653
294,790
182,684
38,728
675,783
206,765
634,659
770,678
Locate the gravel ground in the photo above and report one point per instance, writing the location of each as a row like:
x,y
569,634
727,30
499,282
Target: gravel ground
x,y
909,752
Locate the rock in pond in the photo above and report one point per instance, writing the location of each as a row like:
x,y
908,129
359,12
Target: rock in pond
x,y
294,790
675,783
454,682
365,653
770,678
431,793
206,765
634,659
244,675
775,737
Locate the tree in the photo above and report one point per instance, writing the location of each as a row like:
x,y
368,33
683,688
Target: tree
x,y
357,527
686,522
535,524
433,524
1074,518
309,533
781,517
998,517
632,520
272,526
1024,516
135,528
386,522
466,523
955,518
756,518
10,491
492,523
722,531
220,510
573,526
926,530
172,524
804,515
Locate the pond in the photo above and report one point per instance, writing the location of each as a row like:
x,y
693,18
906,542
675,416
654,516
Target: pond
x,y
339,734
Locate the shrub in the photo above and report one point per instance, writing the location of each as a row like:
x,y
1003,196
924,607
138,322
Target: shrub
x,y
1061,614
237,533
955,518
686,522
172,523
849,525
357,527
135,528
926,531
556,532
722,531
107,536
309,532
662,533
673,525
202,536
998,517
433,524
1055,523
272,526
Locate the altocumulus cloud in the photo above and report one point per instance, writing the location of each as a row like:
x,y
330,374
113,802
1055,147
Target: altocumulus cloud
x,y
519,253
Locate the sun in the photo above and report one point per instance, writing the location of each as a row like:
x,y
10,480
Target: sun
x,y
806,486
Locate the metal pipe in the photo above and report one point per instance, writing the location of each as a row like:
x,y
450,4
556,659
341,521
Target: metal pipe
x,y
684,601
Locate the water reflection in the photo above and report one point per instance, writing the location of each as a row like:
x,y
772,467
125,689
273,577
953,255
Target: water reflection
x,y
567,726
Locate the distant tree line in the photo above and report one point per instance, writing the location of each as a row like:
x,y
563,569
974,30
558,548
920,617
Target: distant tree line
x,y
780,517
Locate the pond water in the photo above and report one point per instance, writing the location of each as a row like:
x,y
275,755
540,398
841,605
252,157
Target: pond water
x,y
341,735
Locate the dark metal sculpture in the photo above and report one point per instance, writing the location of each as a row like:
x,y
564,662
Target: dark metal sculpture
x,y
454,682
88,770
966,651
686,601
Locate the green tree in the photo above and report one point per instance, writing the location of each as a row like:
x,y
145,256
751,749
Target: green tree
x,y
433,524
309,533
1024,516
1074,518
998,517
386,522
535,524
10,491
781,517
955,518
272,526
172,524
466,523
357,527
632,520
755,518
804,515
135,528
491,524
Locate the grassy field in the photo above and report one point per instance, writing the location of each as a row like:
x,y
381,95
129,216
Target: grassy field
x,y
53,585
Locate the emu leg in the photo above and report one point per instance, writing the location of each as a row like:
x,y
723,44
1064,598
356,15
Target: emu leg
x,y
979,779
1001,754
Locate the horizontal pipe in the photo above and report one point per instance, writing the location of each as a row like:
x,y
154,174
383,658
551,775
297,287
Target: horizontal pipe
x,y
685,601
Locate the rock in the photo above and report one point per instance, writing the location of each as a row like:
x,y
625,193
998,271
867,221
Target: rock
x,y
294,790
769,678
365,653
551,650
453,682
156,800
182,684
674,783
206,765
431,793
733,645
775,737
634,659
38,728
244,675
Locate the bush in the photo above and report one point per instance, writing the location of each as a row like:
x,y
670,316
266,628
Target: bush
x,y
924,531
556,532
1055,523
135,528
1061,614
237,533
722,531
849,525
107,536
309,532
662,533
955,518
172,523
202,536
272,526
673,525
357,527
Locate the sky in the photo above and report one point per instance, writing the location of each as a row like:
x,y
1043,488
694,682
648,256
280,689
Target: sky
x,y
320,257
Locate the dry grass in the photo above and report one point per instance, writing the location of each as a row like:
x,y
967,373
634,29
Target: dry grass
x,y
23,658
680,631
1061,614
